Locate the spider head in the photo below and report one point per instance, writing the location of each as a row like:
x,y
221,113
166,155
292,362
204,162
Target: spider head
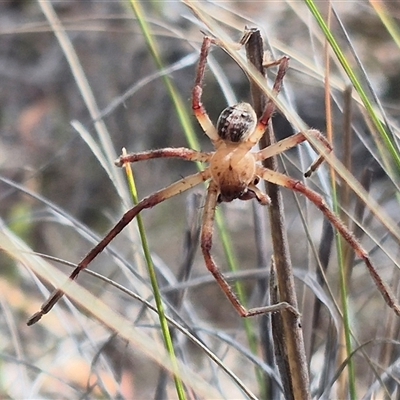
x,y
237,122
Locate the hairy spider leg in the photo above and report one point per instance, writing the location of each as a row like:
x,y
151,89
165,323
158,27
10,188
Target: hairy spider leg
x,y
270,107
261,197
206,245
197,105
169,152
148,202
292,141
319,202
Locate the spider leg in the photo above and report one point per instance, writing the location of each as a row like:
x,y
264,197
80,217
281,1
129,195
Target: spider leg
x,y
261,197
169,152
148,202
293,141
270,107
318,200
197,105
206,245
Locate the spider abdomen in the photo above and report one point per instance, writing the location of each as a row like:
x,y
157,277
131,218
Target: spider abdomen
x,y
236,122
233,170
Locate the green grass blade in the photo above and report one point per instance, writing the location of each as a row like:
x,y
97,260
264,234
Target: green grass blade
x,y
387,20
154,284
344,300
339,242
389,142
179,104
186,122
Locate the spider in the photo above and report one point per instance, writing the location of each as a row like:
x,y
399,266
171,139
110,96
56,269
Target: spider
x,y
233,172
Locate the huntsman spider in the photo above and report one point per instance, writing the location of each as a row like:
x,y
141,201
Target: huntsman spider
x,y
233,172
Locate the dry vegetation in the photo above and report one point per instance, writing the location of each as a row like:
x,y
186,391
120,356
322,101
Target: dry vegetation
x,y
57,199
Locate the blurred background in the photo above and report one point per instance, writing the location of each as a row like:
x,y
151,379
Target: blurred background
x,y
58,199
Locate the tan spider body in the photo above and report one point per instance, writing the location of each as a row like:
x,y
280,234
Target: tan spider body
x,y
233,170
233,173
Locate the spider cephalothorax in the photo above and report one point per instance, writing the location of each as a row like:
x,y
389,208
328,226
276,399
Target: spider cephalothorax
x,y
233,173
232,182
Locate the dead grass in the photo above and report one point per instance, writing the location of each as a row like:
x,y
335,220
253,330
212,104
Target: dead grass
x,y
57,199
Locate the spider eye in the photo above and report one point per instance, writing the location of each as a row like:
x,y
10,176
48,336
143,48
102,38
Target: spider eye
x,y
237,122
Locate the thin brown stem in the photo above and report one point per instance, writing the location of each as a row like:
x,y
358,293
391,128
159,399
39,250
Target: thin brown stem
x,y
348,236
292,333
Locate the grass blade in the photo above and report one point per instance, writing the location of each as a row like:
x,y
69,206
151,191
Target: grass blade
x,y
187,126
154,284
